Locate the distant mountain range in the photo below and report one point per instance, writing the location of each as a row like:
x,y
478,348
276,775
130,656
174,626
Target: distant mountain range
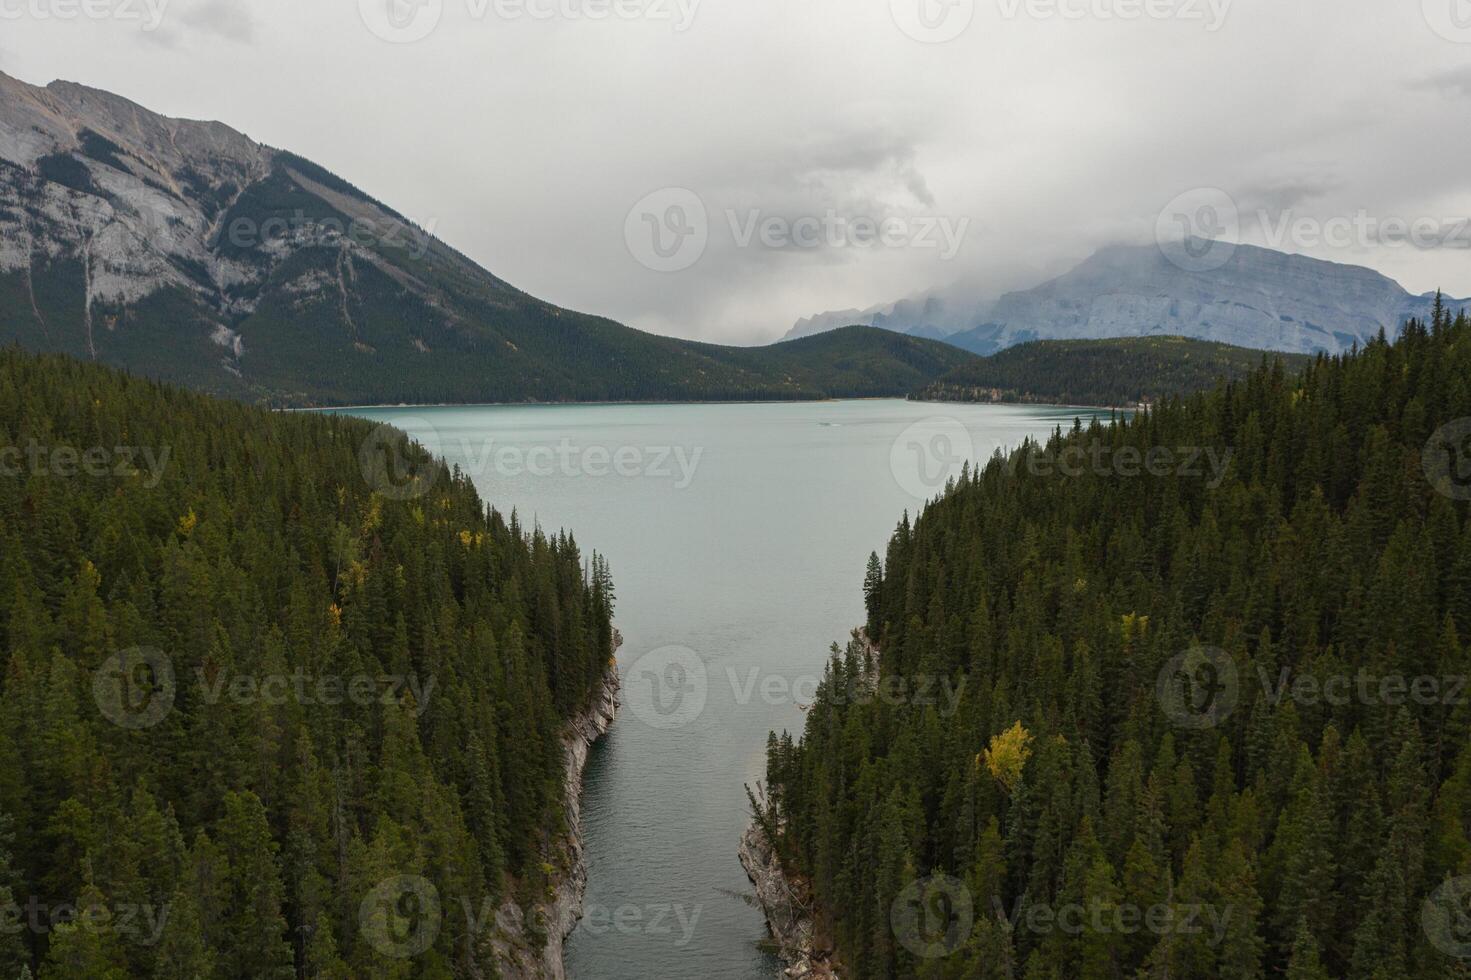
x,y
1259,298
932,317
188,252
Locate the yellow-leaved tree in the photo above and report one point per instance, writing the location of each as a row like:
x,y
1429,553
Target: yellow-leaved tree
x,y
1008,755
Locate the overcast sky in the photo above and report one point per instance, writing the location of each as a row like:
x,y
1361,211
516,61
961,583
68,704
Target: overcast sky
x,y
999,141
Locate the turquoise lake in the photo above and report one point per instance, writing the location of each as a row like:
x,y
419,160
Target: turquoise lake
x,y
737,536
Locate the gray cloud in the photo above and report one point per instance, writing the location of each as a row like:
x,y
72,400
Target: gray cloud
x,y
194,21
1456,82
525,142
229,19
1285,194
841,159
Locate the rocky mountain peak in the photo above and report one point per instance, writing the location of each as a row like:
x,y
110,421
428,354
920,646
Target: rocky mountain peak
x,y
1244,295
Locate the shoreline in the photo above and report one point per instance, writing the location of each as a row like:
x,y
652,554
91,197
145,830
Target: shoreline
x,y
786,921
579,404
1139,407
512,948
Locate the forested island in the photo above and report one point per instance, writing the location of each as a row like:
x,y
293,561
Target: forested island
x,y
261,707
1211,727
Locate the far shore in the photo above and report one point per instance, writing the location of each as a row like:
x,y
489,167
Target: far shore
x,y
739,401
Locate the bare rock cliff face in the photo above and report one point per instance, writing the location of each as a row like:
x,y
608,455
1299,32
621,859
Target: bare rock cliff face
x,y
791,928
133,196
190,252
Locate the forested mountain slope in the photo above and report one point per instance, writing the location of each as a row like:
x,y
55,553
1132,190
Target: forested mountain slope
x,y
187,252
251,676
1099,372
1234,701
